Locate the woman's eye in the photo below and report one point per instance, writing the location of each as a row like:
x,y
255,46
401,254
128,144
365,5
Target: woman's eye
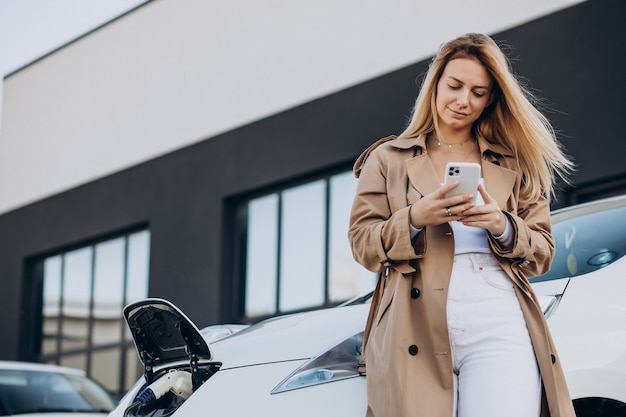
x,y
479,95
454,87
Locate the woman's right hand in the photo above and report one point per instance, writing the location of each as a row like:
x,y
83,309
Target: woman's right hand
x,y
435,208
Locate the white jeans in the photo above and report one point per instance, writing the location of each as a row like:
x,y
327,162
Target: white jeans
x,y
495,367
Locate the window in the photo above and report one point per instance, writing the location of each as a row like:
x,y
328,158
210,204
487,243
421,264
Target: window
x,y
586,242
84,292
297,251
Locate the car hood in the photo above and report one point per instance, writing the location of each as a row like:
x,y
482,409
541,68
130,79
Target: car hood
x,y
163,335
305,335
291,337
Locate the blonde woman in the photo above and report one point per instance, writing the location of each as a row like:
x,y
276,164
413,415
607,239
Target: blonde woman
x,y
454,328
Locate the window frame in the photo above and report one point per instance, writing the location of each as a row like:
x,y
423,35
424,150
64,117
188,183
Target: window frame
x,y
33,300
240,255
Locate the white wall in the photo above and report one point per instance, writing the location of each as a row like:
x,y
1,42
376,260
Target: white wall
x,y
175,72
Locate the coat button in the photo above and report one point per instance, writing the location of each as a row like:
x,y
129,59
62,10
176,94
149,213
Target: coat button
x,y
553,358
413,350
415,293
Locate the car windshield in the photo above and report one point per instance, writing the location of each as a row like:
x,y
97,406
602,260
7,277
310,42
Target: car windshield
x,y
35,391
586,243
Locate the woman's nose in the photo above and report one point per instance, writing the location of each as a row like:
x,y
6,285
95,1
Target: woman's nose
x,y
462,98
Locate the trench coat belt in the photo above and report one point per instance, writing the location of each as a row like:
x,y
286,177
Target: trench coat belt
x,y
404,267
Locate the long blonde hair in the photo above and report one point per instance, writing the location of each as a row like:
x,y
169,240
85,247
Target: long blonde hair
x,y
511,119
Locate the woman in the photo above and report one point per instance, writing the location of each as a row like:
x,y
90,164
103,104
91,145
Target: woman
x,y
454,328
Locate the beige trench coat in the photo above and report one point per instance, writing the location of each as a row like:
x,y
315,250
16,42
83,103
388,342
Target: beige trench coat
x,y
407,348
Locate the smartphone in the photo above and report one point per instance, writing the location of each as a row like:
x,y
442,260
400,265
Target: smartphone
x,y
468,175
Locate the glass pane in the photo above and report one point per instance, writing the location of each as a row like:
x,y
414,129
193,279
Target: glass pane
x,y
138,266
261,256
105,369
134,368
108,291
76,296
78,361
303,246
586,243
346,278
51,303
49,393
51,285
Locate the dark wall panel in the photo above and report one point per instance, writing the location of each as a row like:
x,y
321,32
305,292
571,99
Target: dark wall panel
x,y
575,60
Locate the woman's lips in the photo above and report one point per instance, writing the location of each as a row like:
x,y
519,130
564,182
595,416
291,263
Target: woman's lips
x,y
457,113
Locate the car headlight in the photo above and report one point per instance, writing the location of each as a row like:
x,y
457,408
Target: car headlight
x,y
340,362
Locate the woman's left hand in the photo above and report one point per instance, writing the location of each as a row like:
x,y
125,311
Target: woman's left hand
x,y
488,216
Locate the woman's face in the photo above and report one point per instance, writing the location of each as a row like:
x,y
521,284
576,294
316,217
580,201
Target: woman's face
x,y
463,92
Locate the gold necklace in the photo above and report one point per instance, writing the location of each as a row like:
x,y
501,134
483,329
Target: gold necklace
x,y
450,145
461,156
464,157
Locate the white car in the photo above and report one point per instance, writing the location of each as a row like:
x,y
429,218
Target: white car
x,y
306,363
36,390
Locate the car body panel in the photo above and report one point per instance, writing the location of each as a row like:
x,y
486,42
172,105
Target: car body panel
x,y
235,392
311,330
42,367
591,339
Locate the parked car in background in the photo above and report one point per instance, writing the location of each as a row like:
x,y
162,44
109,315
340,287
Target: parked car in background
x,y
34,389
306,363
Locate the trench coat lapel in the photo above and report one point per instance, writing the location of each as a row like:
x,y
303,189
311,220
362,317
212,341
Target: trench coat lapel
x,y
421,173
420,170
